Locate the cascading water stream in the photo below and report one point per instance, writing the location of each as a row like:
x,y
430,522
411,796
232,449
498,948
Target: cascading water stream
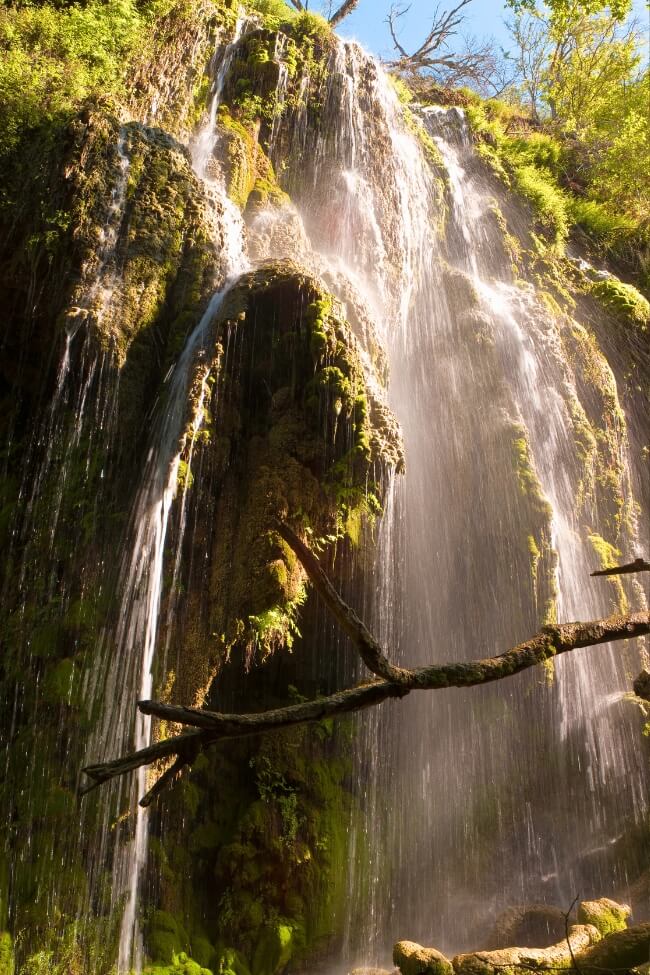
x,y
141,586
478,372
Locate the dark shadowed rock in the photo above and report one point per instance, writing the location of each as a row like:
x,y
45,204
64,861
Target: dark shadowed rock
x,y
537,926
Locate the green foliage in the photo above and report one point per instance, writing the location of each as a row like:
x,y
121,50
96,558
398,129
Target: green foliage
x,y
81,947
277,626
272,12
6,954
619,9
52,59
538,165
274,788
579,66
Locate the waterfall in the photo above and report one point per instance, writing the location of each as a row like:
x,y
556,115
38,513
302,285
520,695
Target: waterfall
x,y
492,533
135,641
517,476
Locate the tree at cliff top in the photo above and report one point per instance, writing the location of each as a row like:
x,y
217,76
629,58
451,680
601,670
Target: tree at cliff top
x,y
439,58
579,64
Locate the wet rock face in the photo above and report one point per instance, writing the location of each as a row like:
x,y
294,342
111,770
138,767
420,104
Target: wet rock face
x,y
538,926
295,434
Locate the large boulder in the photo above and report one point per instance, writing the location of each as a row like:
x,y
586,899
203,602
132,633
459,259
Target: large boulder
x,y
523,959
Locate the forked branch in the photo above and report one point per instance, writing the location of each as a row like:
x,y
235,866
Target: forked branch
x,y
436,57
211,727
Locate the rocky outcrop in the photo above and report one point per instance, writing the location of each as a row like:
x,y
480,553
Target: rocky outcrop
x,y
413,959
600,942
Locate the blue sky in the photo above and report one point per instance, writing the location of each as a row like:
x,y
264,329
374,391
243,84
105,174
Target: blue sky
x,y
484,18
368,23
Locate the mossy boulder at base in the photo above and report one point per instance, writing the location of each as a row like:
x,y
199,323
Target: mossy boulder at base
x,y
605,915
522,959
413,959
181,965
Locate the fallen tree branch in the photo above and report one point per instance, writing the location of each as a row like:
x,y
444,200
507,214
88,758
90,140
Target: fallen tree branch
x,y
213,727
369,649
345,9
639,565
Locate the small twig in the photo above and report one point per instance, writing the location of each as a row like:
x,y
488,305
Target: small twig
x,y
566,932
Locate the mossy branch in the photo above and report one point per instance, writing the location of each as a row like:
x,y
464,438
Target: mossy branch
x,y
345,9
212,727
371,652
639,565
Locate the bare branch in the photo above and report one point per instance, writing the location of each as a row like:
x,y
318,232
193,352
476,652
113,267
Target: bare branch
x,y
345,9
369,649
639,565
393,15
436,58
215,727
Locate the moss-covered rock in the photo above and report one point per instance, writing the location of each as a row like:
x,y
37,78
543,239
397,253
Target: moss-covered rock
x,y
624,300
537,926
413,959
293,431
273,950
604,914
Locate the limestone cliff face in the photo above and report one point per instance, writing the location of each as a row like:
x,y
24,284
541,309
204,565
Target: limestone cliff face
x,y
104,272
113,244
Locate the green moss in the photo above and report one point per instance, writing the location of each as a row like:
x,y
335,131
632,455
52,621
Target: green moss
x,y
535,556
608,557
529,483
606,915
401,88
230,962
547,201
310,26
180,965
273,950
6,954
273,12
624,300
62,684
